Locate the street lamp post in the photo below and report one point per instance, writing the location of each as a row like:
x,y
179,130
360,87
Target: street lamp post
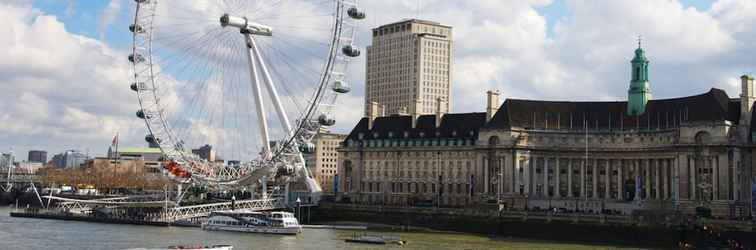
x,y
233,202
299,202
501,186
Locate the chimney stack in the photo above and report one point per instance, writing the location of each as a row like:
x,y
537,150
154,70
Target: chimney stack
x,y
440,107
746,100
492,104
415,113
372,114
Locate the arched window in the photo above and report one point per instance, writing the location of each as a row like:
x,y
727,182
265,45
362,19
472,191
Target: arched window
x,y
703,137
493,141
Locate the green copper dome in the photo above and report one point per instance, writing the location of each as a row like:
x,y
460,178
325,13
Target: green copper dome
x,y
640,89
640,55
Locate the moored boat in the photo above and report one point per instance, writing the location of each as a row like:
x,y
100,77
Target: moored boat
x,y
253,222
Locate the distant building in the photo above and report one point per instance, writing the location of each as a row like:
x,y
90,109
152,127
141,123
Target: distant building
x,y
323,161
152,157
205,152
409,67
69,159
6,160
28,167
38,156
120,166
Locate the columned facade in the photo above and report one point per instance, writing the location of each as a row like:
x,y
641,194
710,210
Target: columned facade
x,y
592,157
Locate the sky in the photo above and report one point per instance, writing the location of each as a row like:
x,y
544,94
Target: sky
x,y
64,77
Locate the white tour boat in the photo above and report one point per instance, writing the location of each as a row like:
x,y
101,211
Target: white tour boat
x,y
253,222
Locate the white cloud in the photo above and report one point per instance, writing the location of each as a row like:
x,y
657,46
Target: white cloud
x,y
108,16
60,90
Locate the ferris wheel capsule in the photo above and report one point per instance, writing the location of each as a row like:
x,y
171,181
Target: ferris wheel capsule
x,y
142,115
351,51
325,120
151,139
307,148
136,28
136,58
137,86
341,87
355,13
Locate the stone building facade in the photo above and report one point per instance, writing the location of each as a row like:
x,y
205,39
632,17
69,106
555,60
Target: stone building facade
x,y
322,162
678,153
409,67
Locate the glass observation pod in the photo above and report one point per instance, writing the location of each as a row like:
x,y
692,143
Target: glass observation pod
x,y
351,51
141,114
151,139
307,148
326,121
355,13
341,87
136,58
136,28
138,86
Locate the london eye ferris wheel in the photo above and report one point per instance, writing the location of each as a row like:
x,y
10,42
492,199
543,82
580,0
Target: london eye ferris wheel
x,y
257,79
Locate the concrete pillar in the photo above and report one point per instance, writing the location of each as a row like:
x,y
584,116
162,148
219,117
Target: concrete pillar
x,y
636,177
715,178
607,178
502,177
569,178
724,176
557,187
693,178
582,178
508,174
734,177
516,174
663,173
679,177
486,176
657,179
545,169
620,182
594,179
648,182
526,170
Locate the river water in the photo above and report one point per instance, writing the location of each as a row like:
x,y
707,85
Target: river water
x,y
24,233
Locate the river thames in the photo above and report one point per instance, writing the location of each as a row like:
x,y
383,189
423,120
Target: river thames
x,y
24,233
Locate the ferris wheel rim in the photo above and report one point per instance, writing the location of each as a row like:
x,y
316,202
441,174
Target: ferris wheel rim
x,y
159,128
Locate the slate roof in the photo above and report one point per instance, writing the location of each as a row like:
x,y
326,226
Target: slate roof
x,y
714,105
462,125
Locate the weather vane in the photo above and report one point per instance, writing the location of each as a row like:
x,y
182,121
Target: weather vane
x,y
640,40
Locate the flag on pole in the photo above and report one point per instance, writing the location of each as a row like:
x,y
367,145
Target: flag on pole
x,y
114,144
115,140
